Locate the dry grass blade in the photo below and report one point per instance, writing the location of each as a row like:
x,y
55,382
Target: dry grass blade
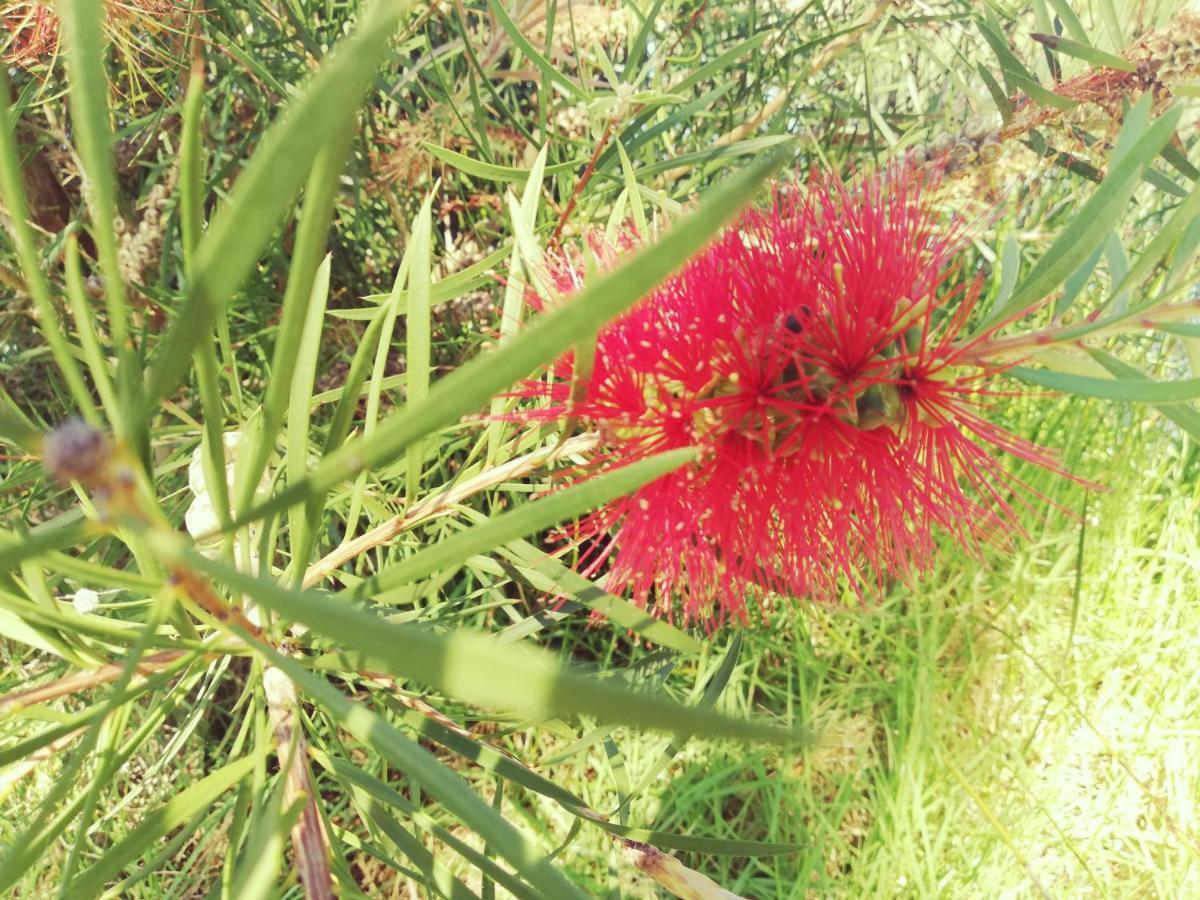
x,y
310,843
82,681
682,882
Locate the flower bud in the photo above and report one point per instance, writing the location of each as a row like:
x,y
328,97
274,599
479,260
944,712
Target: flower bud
x,y
74,451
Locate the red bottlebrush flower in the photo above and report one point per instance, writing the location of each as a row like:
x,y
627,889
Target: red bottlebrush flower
x,y
812,353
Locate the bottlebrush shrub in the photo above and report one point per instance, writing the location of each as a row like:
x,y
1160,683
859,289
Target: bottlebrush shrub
x,y
816,355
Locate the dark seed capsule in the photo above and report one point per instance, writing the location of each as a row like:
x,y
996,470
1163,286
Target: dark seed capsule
x,y
74,451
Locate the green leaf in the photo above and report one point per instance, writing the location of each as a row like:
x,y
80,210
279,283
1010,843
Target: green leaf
x,y
1180,329
17,431
631,187
257,873
665,840
437,876
469,387
1112,21
1009,64
266,188
997,92
1130,390
1074,283
526,258
181,808
297,312
54,535
634,136
1070,20
474,666
1041,95
343,415
448,288
525,519
637,47
561,579
698,157
83,33
720,62
84,316
1093,221
1176,158
418,330
372,794
15,629
552,73
491,171
1166,237
1186,417
307,352
191,166
1083,51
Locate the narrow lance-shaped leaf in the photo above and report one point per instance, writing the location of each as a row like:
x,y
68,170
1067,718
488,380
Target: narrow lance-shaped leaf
x,y
382,794
298,300
266,188
1083,51
473,666
307,353
88,95
1130,390
1185,416
548,69
418,330
490,171
559,578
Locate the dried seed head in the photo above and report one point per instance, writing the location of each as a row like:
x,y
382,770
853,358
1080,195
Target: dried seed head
x,y
963,152
977,127
1159,45
74,451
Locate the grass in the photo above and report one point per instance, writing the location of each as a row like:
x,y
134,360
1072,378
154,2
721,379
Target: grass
x,y
1020,723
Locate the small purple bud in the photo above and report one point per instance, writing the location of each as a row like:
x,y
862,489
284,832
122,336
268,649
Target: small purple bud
x,y
75,451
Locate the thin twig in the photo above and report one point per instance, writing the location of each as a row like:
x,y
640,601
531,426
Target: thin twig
x,y
588,171
81,681
1019,345
440,503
